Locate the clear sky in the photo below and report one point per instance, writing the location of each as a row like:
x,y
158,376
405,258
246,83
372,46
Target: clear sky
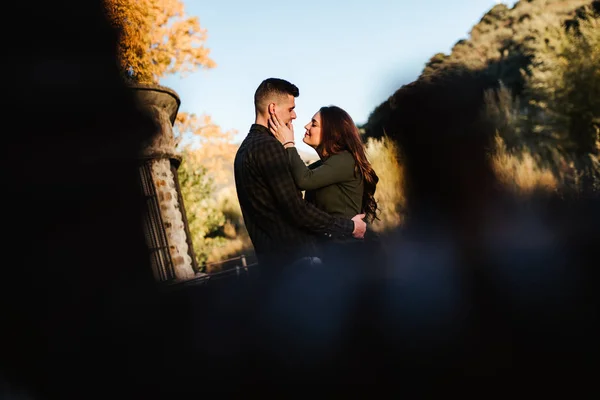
x,y
353,54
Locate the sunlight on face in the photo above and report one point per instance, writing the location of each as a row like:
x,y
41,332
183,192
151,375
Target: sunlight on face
x,y
284,109
312,136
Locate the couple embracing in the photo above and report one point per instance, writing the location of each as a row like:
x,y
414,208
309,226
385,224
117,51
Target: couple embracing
x,y
329,222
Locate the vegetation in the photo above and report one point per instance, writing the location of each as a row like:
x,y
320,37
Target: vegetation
x,y
542,59
158,39
383,154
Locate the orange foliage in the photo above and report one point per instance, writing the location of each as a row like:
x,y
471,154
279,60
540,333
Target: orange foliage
x,y
157,39
215,148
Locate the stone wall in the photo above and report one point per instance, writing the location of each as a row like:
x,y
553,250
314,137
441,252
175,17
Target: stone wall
x,y
170,209
162,104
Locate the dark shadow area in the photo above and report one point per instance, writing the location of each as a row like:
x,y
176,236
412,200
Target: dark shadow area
x,y
78,305
499,285
476,284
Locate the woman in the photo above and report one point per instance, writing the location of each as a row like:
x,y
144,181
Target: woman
x,y
342,183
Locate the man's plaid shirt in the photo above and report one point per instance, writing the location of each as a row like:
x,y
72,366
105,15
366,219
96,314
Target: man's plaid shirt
x,y
282,226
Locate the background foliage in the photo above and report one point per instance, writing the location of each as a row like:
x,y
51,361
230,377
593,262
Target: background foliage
x,y
546,109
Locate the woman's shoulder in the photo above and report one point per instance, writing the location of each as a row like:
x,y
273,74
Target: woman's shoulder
x,y
343,156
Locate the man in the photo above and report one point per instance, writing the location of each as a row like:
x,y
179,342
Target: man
x,y
281,225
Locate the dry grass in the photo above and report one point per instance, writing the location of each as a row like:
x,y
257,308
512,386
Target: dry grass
x,y
383,155
236,241
234,247
520,172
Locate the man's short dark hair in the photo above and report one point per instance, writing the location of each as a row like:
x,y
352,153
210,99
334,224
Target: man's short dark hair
x,y
272,87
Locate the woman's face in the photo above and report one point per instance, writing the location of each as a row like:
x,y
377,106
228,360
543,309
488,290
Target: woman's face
x,y
312,136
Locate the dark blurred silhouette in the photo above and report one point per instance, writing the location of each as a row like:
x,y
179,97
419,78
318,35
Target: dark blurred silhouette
x,y
77,290
476,283
506,284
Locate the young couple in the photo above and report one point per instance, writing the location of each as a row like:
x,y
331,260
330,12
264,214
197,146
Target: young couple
x,y
284,227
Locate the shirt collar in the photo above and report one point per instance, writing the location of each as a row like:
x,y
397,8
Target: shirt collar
x,y
260,129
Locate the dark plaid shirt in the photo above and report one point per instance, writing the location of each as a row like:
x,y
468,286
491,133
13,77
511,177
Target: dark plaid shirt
x,y
282,226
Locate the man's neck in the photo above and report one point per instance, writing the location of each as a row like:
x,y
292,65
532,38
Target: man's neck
x,y
261,120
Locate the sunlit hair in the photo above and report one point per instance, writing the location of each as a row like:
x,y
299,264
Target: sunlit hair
x,y
270,89
339,133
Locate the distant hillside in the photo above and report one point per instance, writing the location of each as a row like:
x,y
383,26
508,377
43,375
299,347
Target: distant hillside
x,y
500,45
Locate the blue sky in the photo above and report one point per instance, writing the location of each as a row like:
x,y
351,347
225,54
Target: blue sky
x,y
353,54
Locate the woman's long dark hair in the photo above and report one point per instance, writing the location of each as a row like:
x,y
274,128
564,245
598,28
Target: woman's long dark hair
x,y
339,133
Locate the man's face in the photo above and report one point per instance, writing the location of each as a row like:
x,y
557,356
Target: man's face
x,y
284,108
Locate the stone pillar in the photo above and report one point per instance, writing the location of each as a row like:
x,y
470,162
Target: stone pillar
x,y
167,233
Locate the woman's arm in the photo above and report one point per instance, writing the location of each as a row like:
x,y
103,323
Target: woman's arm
x,y
335,169
273,164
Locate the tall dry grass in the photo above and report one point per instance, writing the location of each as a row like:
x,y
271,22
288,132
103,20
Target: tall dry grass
x,y
519,172
237,242
384,157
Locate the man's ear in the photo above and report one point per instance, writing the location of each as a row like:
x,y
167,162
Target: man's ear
x,y
271,108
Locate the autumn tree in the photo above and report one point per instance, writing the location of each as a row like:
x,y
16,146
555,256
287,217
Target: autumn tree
x,y
158,39
204,214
